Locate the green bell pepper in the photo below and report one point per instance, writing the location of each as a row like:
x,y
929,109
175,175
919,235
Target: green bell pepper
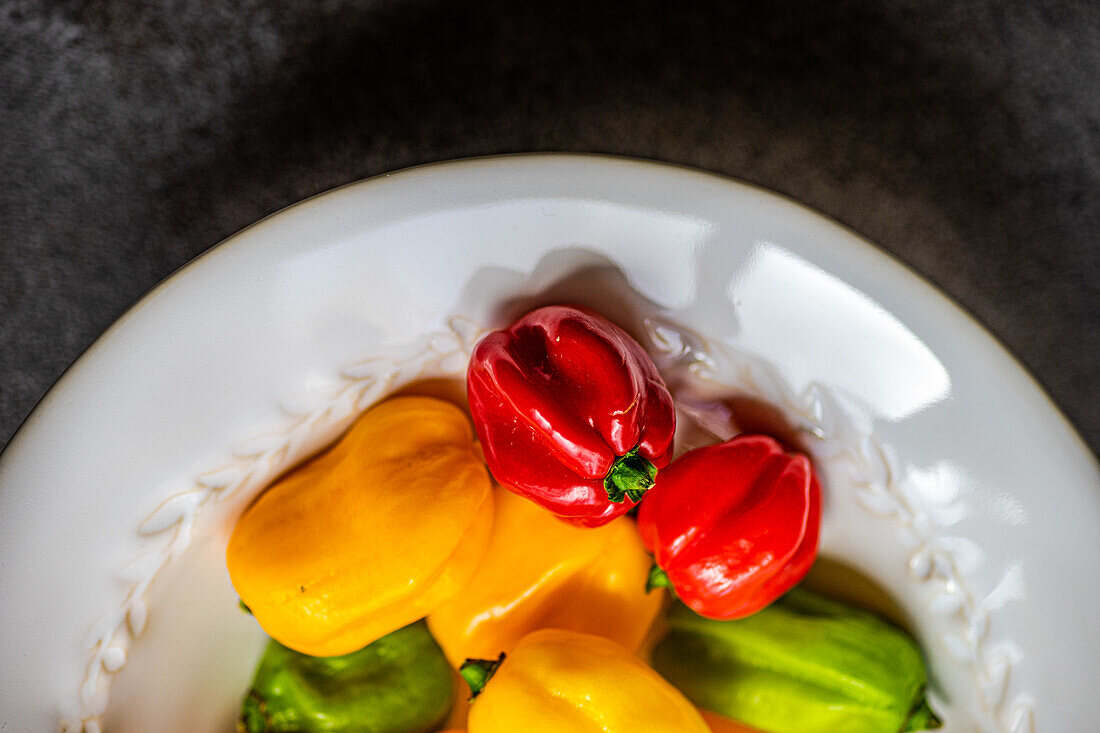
x,y
401,683
805,664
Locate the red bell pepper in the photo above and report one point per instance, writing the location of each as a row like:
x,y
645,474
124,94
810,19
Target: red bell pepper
x,y
733,526
571,413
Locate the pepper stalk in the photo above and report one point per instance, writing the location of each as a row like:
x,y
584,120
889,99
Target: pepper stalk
x,y
630,477
478,672
658,578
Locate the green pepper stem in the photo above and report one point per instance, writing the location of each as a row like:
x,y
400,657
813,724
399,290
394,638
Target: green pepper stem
x,y
630,477
478,672
922,718
658,578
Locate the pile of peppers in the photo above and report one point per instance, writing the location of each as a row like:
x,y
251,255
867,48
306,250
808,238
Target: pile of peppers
x,y
549,550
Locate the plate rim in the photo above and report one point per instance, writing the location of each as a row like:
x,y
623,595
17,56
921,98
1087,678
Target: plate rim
x,y
864,242
851,264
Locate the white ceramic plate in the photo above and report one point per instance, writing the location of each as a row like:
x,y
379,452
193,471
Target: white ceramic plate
x,y
951,479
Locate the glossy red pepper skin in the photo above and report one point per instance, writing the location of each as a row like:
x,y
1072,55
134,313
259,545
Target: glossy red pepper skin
x,y
734,526
559,398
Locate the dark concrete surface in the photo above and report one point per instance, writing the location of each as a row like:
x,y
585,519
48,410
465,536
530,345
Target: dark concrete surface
x,y
964,137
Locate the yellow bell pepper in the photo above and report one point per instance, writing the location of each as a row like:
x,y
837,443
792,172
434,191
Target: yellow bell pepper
x,y
370,535
543,573
717,723
556,680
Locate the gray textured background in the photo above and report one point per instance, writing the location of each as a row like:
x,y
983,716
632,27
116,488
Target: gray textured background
x,y
963,137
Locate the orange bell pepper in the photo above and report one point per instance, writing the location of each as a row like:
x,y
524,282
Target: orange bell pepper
x,y
717,723
370,535
543,573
